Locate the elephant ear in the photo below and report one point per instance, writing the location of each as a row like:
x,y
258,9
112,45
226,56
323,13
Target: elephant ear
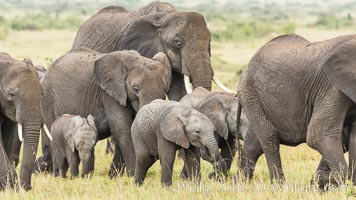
x,y
340,68
110,74
69,131
172,126
219,121
91,121
166,68
142,35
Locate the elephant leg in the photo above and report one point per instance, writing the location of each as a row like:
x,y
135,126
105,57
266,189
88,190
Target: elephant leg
x,y
110,145
324,134
55,168
267,136
251,152
88,166
177,89
167,160
11,139
192,163
74,162
120,121
117,167
143,163
44,163
184,172
8,175
352,152
63,167
228,151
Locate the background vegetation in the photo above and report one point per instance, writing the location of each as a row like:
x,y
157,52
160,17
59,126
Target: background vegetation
x,y
45,30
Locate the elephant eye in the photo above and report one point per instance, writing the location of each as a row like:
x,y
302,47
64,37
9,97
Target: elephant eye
x,y
196,133
177,43
12,96
136,90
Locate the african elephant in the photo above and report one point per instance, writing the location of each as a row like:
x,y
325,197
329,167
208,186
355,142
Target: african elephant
x,y
74,138
111,87
295,91
161,128
157,27
20,96
221,109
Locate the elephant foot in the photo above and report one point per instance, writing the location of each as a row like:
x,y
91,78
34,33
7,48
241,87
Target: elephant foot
x,y
43,164
218,176
110,147
116,170
326,180
9,181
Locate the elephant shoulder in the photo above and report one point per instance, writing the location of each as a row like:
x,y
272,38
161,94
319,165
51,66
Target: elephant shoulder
x,y
113,9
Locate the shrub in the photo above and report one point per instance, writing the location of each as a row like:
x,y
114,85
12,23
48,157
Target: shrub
x,y
4,30
41,21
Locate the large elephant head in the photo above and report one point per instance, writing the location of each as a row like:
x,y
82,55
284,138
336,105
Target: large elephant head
x,y
183,36
185,126
129,77
20,96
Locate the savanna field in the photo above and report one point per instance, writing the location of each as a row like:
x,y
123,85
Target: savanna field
x,y
238,30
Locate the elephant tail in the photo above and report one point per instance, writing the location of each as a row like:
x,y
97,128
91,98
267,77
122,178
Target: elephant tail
x,y
238,120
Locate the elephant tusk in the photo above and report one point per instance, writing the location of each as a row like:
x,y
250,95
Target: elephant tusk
x,y
19,131
47,132
187,84
222,86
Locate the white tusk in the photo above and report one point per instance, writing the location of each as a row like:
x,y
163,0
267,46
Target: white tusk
x,y
19,131
221,86
47,132
187,84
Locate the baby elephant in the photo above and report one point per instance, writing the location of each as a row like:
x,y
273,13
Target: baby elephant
x,y
74,138
161,128
221,109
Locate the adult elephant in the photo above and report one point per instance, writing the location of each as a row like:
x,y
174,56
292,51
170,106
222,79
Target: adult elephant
x,y
157,27
110,87
20,96
295,91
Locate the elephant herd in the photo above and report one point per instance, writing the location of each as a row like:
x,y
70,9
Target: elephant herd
x,y
122,67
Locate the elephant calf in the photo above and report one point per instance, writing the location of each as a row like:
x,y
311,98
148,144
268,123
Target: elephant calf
x,y
221,109
163,127
73,141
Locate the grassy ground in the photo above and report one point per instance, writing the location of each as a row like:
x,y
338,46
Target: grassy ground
x,y
228,59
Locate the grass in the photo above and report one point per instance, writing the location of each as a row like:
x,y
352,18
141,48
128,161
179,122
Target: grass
x,y
228,60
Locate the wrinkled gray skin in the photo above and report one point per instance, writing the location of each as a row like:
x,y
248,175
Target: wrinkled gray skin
x,y
295,91
221,109
41,71
157,27
161,128
111,87
20,95
74,138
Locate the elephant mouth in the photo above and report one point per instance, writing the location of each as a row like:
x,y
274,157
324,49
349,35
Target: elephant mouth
x,y
205,151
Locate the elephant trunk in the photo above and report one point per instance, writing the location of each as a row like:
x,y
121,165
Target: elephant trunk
x,y
212,155
212,149
198,68
87,164
29,115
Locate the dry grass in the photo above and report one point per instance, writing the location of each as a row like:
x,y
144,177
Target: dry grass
x,y
299,163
